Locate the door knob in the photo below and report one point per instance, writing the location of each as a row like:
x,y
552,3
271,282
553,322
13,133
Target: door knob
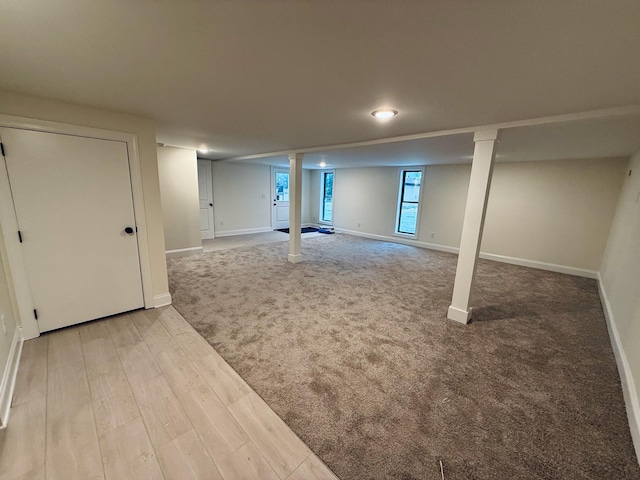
x,y
129,230
211,204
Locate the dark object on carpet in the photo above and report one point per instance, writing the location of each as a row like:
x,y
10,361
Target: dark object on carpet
x,y
304,230
352,349
328,230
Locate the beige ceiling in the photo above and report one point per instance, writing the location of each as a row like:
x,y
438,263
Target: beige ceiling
x,y
610,136
245,77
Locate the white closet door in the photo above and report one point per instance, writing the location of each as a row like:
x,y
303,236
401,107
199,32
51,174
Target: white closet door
x,y
205,191
74,206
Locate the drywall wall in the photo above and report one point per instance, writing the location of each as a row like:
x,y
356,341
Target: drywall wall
x,y
369,196
50,110
306,197
443,202
241,197
365,199
178,175
313,196
555,212
620,280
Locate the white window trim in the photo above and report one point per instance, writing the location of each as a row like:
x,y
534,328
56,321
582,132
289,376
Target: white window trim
x,y
399,203
321,199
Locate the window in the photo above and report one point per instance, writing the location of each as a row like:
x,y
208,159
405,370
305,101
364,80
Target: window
x,y
408,202
326,197
282,186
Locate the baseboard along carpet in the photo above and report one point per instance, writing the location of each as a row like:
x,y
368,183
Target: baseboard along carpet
x,y
353,350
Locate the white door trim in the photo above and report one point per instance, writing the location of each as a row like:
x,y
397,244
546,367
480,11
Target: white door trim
x,y
8,220
8,383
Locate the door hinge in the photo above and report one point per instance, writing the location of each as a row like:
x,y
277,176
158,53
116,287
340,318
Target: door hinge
x,y
20,236
35,313
2,148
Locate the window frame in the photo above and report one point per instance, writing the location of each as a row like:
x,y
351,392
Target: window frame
x,y
396,227
323,174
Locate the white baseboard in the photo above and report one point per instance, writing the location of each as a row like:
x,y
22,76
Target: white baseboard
x,y
245,231
181,252
552,267
626,378
9,377
161,300
402,240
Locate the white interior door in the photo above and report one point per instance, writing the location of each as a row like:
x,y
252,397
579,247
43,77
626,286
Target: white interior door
x,y
205,190
280,193
74,207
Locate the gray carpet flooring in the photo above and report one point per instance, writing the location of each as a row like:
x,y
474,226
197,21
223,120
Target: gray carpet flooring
x,y
352,349
236,241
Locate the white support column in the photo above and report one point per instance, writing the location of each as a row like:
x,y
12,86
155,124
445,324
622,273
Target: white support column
x,y
474,214
295,207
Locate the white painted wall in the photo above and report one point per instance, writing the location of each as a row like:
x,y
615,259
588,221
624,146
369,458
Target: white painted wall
x,y
238,189
238,205
314,196
42,109
178,175
620,280
443,203
366,196
554,212
307,201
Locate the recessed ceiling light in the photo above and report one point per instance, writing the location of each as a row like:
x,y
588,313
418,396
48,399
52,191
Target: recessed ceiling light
x,y
384,113
323,164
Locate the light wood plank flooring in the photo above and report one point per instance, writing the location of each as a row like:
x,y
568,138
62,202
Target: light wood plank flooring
x,y
142,396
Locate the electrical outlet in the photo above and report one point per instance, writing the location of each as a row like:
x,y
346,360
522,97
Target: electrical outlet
x,y
264,196
433,235
358,224
4,325
221,223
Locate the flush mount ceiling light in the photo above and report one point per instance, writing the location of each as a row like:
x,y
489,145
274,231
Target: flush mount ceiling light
x,y
203,150
323,164
384,113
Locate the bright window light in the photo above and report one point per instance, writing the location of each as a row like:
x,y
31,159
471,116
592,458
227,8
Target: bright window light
x,y
409,202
